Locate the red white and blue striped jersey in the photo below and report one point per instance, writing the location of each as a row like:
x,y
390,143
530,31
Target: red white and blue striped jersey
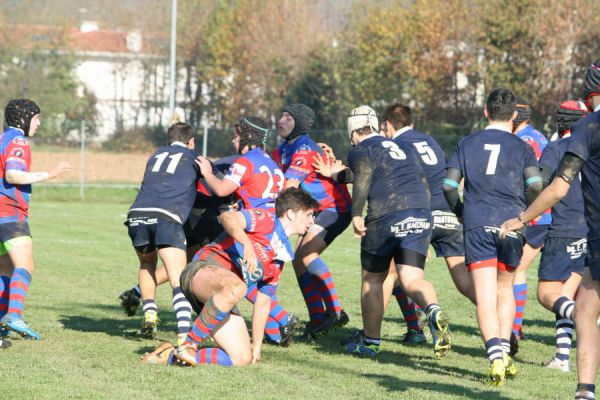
x,y
271,245
296,160
259,179
15,154
538,142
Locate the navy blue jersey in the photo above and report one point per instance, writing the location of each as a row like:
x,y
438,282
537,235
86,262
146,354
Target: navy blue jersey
x,y
585,143
397,181
169,185
567,215
492,162
433,161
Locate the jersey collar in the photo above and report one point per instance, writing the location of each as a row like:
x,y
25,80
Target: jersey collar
x,y
498,127
401,131
178,144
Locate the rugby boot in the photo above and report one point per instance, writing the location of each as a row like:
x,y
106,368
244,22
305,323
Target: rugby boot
x,y
555,363
354,338
130,301
510,369
149,325
413,337
331,322
514,345
18,325
360,347
287,331
440,332
497,372
186,353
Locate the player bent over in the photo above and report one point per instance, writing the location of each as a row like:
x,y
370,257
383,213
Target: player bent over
x,y
500,171
22,116
397,226
155,223
254,251
565,248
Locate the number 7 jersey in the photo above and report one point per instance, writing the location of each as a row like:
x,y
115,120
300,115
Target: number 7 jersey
x,y
492,162
169,184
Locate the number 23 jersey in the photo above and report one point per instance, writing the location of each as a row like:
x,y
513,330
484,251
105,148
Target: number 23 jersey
x,y
169,184
492,162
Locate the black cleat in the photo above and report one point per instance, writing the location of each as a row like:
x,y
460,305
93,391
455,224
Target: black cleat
x,y
130,301
353,338
514,345
331,322
287,331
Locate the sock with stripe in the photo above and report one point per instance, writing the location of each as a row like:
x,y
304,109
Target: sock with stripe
x,y
520,291
585,391
148,305
18,288
320,270
408,308
277,318
208,319
183,311
564,307
505,345
4,284
493,348
312,297
213,355
564,337
136,289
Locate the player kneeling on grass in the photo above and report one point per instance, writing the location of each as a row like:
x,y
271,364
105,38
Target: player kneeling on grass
x,y
254,251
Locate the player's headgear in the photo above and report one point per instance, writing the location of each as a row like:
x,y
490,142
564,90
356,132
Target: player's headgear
x,y
591,83
253,132
523,110
19,112
569,112
303,116
361,117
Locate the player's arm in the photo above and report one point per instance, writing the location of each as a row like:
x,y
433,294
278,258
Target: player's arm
x,y
451,185
262,306
234,223
363,174
220,187
567,172
18,177
533,183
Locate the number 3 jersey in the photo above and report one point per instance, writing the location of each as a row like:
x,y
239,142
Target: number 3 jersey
x,y
492,162
258,178
169,184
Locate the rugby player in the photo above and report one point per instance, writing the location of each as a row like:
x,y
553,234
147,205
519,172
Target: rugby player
x,y
22,117
254,251
582,156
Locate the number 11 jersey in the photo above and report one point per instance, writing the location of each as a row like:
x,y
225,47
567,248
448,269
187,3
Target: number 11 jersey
x,y
492,162
169,184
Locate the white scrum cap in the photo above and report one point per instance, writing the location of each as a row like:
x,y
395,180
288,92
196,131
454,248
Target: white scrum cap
x,y
360,117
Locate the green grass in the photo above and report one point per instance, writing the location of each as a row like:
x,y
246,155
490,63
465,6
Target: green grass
x,y
90,349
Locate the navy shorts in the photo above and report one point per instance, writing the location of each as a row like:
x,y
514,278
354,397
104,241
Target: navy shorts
x,y
202,227
401,235
12,230
535,235
562,256
149,233
447,236
329,224
483,248
593,258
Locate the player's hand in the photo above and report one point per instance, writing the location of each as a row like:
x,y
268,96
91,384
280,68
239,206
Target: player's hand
x,y
327,166
510,225
204,165
327,149
250,260
60,168
358,223
292,183
256,354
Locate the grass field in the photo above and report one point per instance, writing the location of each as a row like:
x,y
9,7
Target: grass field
x,y
90,349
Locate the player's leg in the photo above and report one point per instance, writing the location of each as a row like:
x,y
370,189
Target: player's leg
x,y
147,284
505,304
280,324
234,347
520,287
131,298
6,269
20,252
391,286
219,290
309,285
460,276
588,335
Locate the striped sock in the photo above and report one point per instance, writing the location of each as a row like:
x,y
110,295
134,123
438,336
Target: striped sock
x,y
272,330
18,287
136,289
149,306
520,291
505,345
585,391
312,297
564,337
183,311
564,307
493,348
213,355
206,322
4,284
408,308
277,315
321,271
